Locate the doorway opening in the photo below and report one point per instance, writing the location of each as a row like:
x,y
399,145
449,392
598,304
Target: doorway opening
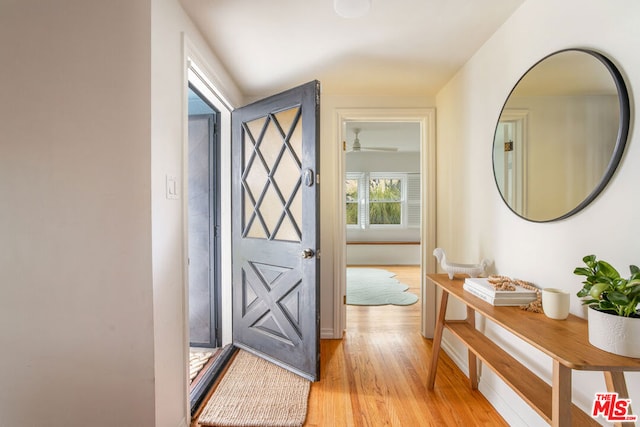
x,y
383,206
408,158
204,243
511,172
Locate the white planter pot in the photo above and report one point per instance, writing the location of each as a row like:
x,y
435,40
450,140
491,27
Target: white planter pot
x,y
615,334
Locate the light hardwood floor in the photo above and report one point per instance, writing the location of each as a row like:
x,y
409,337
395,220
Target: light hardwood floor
x,y
376,375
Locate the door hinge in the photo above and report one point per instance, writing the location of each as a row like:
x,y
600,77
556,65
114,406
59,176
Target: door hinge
x,y
344,145
344,299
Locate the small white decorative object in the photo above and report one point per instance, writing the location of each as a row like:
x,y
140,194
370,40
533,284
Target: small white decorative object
x,y
473,270
555,303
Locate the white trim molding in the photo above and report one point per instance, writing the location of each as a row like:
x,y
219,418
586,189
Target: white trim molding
x,y
426,117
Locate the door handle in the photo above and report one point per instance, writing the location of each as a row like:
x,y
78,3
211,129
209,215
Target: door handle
x,y
307,253
308,177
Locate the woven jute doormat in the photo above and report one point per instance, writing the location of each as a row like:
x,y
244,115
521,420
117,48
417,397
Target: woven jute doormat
x,y
254,392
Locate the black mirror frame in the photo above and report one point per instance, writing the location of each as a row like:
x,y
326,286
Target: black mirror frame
x,y
621,139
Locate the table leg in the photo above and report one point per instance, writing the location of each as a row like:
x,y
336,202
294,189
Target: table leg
x,y
617,384
561,396
471,356
437,338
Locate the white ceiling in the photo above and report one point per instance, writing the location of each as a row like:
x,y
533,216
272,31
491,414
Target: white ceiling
x,y
401,136
400,48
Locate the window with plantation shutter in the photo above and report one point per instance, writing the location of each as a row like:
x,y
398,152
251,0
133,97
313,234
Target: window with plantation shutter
x,y
354,198
382,200
413,200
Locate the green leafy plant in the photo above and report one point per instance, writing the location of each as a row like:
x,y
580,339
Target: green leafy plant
x,y
604,289
384,205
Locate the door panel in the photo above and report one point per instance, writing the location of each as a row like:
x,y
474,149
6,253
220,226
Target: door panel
x,y
200,299
203,221
276,204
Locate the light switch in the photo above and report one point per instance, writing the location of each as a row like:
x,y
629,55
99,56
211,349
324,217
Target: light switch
x,y
172,187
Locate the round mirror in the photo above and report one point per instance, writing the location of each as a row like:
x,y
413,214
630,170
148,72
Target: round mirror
x,y
560,135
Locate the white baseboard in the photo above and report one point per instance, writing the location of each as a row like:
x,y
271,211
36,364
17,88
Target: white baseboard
x,y
329,334
514,411
458,359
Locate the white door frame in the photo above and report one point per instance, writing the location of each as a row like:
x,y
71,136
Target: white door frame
x,y
197,72
518,192
425,117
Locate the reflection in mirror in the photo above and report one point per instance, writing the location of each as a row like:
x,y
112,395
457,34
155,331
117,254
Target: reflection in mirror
x,y
560,135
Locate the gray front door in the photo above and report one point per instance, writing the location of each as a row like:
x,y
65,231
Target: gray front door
x,y
275,195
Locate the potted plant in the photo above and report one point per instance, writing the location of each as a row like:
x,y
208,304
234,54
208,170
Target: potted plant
x,y
613,315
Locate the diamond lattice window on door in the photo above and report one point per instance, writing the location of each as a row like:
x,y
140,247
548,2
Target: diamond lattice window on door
x,y
272,150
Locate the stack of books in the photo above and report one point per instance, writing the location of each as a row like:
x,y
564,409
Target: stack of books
x,y
481,288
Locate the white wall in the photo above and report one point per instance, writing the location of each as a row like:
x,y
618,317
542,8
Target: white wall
x,y
92,264
76,299
545,254
377,254
375,161
173,39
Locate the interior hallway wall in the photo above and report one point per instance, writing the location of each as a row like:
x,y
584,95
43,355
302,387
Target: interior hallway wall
x,y
473,222
92,260
76,299
174,37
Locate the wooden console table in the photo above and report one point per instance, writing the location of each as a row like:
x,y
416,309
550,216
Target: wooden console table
x,y
564,341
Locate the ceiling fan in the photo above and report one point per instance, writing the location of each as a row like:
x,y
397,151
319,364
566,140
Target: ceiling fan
x,y
357,147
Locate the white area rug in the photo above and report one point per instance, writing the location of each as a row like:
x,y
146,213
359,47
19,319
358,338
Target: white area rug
x,y
197,360
375,286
